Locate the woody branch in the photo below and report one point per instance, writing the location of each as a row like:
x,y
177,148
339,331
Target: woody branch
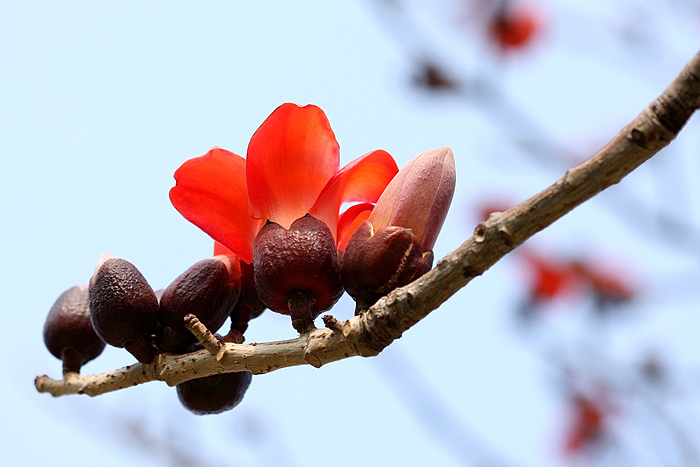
x,y
371,331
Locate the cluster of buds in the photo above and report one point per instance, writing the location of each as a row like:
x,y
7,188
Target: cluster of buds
x,y
118,307
280,243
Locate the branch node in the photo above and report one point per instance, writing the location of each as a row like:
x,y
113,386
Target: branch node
x,y
221,354
470,272
314,346
69,376
480,233
568,178
506,243
637,137
332,323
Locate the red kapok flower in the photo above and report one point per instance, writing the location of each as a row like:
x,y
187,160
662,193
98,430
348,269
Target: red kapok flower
x,y
291,171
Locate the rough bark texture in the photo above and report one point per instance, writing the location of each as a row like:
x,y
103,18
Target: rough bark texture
x,y
371,331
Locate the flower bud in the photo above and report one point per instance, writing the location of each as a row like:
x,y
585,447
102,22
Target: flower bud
x,y
296,270
375,264
68,332
216,393
419,196
209,290
123,308
393,247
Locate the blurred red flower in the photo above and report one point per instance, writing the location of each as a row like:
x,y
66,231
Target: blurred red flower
x,y
514,27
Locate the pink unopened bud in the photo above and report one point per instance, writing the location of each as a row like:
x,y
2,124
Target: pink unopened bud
x,y
393,247
419,196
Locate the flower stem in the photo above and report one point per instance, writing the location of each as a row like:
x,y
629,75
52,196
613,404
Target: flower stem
x,y
301,309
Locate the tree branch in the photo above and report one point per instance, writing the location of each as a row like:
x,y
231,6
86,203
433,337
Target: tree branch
x,y
370,332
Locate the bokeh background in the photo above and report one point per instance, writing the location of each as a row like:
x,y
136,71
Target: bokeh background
x,y
580,348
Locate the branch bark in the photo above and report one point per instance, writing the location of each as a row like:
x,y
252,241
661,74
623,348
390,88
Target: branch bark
x,y
371,331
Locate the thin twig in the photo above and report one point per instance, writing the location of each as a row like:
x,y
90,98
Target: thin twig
x,y
203,335
370,332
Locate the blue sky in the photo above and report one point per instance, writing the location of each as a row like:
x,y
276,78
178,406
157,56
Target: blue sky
x,y
102,102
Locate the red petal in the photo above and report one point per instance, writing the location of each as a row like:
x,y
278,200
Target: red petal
x,y
211,193
350,220
290,158
363,179
219,250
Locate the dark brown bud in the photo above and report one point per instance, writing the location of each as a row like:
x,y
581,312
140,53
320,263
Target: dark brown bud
x,y
213,394
123,308
209,290
296,270
376,263
68,332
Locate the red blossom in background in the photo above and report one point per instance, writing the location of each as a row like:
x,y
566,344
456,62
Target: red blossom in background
x,y
588,425
514,27
608,287
551,279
